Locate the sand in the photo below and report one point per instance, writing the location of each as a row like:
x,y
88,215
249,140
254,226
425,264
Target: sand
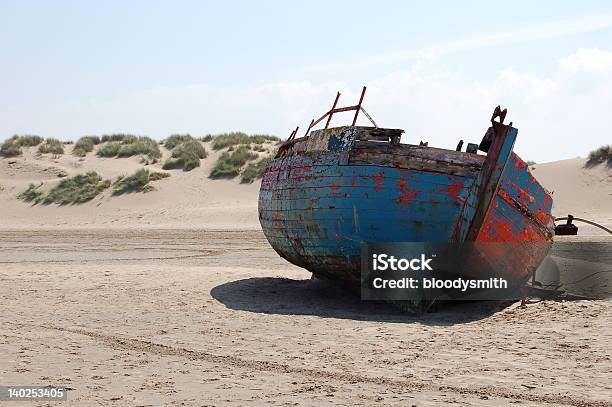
x,y
185,199
175,298
584,193
165,317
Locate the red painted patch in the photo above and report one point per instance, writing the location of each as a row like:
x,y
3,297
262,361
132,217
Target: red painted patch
x,y
543,212
502,256
454,190
502,231
313,203
352,182
519,164
378,178
334,187
377,189
523,195
406,195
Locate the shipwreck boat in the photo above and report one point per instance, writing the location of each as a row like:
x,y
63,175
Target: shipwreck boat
x,y
326,193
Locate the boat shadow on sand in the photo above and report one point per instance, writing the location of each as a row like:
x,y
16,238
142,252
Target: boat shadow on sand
x,y
283,296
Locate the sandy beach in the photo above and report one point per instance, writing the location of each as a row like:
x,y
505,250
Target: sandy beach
x,y
174,297
194,317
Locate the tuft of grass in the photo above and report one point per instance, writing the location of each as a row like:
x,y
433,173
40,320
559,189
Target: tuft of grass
x,y
85,145
186,155
230,164
207,138
77,189
115,137
155,176
129,146
130,139
602,155
28,140
32,194
176,139
231,139
262,138
137,182
254,170
51,146
10,148
109,149
139,145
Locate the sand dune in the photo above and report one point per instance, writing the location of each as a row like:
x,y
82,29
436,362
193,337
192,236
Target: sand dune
x,y
191,199
185,199
582,192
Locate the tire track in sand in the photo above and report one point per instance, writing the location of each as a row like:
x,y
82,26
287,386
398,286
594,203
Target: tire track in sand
x,y
139,345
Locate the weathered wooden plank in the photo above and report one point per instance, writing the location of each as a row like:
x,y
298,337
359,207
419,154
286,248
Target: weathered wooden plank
x,y
412,163
370,179
490,176
437,154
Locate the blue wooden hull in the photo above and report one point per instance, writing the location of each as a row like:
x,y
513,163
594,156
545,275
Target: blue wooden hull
x,y
320,201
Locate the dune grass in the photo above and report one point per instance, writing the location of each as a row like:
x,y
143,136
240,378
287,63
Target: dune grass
x,y
255,170
115,137
84,187
128,146
137,182
51,146
262,138
229,139
186,155
140,145
28,140
176,139
235,138
85,145
32,194
602,155
230,163
77,189
12,147
110,149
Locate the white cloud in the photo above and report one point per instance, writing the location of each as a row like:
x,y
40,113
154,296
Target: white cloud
x,y
587,60
541,31
516,35
558,115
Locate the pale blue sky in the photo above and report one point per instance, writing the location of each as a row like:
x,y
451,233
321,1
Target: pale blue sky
x,y
69,68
